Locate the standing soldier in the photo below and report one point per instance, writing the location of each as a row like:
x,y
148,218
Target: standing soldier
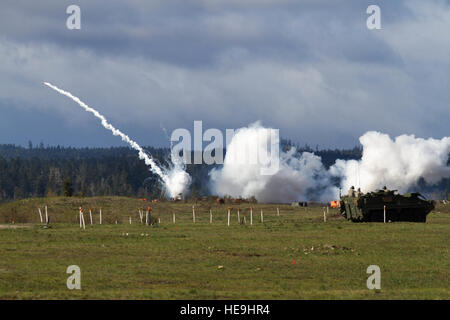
x,y
149,214
351,191
359,193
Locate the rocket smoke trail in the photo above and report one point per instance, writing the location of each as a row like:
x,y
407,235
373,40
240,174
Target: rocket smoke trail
x,y
175,181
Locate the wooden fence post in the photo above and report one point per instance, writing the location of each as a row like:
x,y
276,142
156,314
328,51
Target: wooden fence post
x,y
40,214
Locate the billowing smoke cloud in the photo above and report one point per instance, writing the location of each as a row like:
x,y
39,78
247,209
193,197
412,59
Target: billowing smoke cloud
x,y
175,179
398,164
295,179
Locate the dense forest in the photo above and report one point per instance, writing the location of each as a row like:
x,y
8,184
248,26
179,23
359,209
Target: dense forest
x,y
39,171
42,171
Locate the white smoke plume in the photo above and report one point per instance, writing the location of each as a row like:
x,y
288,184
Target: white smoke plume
x,y
396,164
297,179
175,179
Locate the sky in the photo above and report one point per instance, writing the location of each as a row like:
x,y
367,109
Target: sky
x,y
311,69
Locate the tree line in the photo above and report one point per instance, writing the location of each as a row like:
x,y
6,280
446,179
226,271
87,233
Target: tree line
x,y
65,171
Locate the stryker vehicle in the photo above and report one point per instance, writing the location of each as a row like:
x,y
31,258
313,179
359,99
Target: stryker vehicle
x,y
369,207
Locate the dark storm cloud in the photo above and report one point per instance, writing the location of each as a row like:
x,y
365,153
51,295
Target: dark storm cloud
x,y
310,68
191,34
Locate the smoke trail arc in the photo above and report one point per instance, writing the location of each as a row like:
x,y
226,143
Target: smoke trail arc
x,y
175,181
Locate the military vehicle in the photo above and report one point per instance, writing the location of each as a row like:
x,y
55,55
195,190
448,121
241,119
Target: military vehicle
x,y
371,207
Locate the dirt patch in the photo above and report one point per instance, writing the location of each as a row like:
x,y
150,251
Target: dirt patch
x,y
235,254
14,226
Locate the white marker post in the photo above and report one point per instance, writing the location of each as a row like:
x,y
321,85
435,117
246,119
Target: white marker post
x,y
130,219
251,216
146,217
384,214
90,215
193,214
278,211
239,219
40,214
140,215
228,216
210,216
159,219
324,215
82,218
262,216
46,215
100,215
173,217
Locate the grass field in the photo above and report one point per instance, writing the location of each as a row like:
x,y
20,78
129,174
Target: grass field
x,y
213,261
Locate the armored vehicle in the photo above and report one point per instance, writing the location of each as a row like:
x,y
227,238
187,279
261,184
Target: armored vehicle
x,y
385,205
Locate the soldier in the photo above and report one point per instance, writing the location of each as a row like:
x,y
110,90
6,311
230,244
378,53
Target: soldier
x,y
359,193
351,191
149,216
385,189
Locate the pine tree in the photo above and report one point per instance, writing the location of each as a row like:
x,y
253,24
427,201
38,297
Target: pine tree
x,y
67,188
